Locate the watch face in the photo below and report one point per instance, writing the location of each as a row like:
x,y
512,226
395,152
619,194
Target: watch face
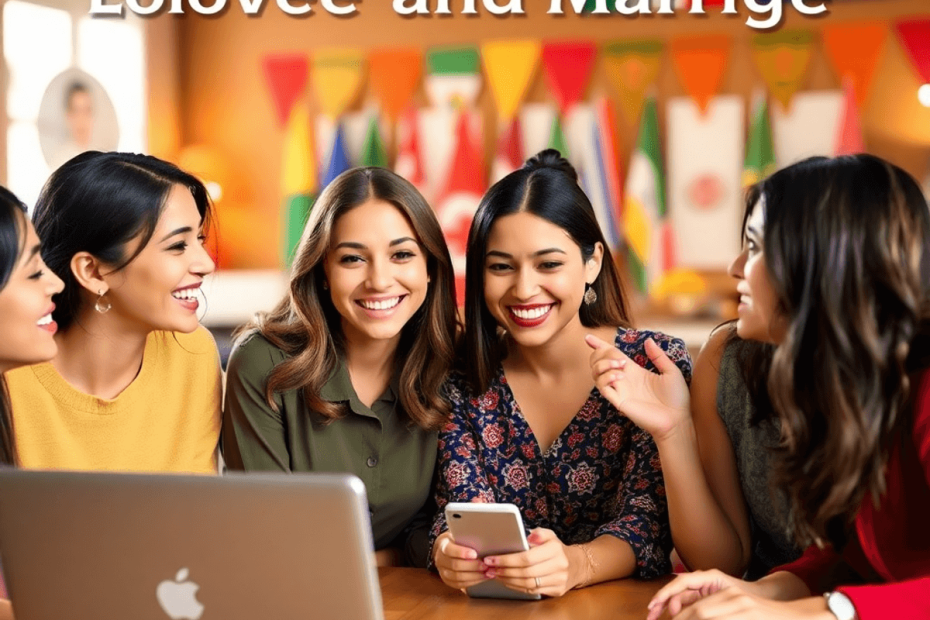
x,y
841,606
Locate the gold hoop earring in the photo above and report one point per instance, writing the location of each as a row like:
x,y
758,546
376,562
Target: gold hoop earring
x,y
103,304
590,295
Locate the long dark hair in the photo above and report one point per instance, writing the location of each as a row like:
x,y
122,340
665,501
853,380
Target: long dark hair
x,y
847,246
12,243
307,326
96,203
546,186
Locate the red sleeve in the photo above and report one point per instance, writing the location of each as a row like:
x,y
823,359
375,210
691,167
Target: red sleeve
x,y
903,600
814,567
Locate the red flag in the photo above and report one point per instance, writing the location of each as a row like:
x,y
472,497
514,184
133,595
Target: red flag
x,y
849,137
460,198
509,155
915,38
568,68
287,77
409,162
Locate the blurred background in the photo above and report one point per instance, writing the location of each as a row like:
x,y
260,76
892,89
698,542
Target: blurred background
x,y
666,117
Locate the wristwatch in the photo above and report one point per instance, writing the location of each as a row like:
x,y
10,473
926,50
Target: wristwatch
x,y
840,606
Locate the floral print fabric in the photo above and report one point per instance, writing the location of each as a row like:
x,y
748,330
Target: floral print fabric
x,y
600,476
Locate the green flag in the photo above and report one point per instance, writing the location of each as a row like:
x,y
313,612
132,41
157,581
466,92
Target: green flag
x,y
373,153
760,152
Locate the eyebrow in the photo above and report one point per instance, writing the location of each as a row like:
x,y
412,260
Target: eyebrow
x,y
751,230
35,250
533,255
183,229
361,246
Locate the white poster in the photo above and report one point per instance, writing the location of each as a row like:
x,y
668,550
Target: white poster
x,y
704,173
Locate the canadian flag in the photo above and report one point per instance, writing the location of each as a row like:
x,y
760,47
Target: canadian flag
x,y
459,199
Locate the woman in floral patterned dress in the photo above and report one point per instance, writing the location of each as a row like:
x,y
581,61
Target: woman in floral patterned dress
x,y
528,425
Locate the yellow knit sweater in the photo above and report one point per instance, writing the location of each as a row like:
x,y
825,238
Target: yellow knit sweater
x,y
168,419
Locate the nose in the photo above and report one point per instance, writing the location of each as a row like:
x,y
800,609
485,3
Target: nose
x,y
379,275
735,269
203,263
526,285
55,285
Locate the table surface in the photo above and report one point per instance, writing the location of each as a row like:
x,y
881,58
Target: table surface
x,y
415,594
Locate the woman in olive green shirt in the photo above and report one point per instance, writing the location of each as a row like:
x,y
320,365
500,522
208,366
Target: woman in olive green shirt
x,y
346,373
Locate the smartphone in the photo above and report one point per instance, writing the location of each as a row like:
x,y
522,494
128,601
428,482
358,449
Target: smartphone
x,y
489,529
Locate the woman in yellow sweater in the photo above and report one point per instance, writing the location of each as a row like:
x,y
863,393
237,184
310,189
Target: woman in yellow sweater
x,y
26,329
135,384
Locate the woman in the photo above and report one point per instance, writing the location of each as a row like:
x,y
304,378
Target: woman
x,y
26,326
527,425
136,381
835,274
346,373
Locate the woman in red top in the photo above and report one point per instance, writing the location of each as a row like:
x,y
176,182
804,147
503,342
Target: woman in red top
x,y
835,272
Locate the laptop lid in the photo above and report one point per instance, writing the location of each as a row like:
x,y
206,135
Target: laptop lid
x,y
94,546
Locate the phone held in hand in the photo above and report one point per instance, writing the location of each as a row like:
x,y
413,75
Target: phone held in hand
x,y
489,529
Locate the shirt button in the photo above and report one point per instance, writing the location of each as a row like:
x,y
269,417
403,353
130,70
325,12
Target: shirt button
x,y
372,461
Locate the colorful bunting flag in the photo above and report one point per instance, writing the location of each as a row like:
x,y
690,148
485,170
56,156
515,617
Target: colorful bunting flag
x,y
849,134
783,58
607,196
299,179
760,149
701,63
338,159
644,213
394,76
337,78
286,75
373,153
568,68
453,76
915,38
463,190
854,50
409,162
632,67
510,67
557,138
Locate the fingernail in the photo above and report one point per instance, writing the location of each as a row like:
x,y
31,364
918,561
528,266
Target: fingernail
x,y
490,561
623,364
490,573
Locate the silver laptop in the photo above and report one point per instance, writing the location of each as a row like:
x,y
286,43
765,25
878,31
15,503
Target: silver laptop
x,y
92,546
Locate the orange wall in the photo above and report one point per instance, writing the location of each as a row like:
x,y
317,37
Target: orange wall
x,y
224,102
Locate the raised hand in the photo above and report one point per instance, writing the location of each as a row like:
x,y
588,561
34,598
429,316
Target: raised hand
x,y
656,402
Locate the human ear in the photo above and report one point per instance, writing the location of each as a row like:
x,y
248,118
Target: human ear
x,y
593,265
86,269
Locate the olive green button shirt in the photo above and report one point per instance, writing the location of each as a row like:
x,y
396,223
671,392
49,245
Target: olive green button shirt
x,y
394,458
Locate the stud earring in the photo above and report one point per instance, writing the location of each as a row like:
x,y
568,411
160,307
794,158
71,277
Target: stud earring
x,y
103,304
590,295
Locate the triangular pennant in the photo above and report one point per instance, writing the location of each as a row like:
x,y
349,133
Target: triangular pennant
x,y
557,138
783,58
632,67
915,38
568,68
608,172
338,159
849,134
509,154
286,75
409,162
701,63
760,149
337,78
294,218
299,165
453,76
644,205
510,67
854,51
394,76
373,153
463,191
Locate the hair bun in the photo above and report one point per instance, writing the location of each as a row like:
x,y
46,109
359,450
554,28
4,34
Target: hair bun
x,y
551,158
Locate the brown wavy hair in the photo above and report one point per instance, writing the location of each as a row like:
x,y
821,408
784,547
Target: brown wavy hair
x,y
307,326
847,246
546,186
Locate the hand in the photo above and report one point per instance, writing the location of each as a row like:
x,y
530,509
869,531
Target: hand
x,y
657,403
553,564
459,567
689,588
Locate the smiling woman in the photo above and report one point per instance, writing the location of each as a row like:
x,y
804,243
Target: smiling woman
x,y
136,381
346,373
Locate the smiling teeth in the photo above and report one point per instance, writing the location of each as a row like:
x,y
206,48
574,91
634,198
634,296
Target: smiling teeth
x,y
385,304
185,295
45,320
530,314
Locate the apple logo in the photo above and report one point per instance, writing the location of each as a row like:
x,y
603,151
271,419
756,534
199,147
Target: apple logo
x,y
178,598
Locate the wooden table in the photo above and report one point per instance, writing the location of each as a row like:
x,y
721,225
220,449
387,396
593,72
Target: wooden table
x,y
415,594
